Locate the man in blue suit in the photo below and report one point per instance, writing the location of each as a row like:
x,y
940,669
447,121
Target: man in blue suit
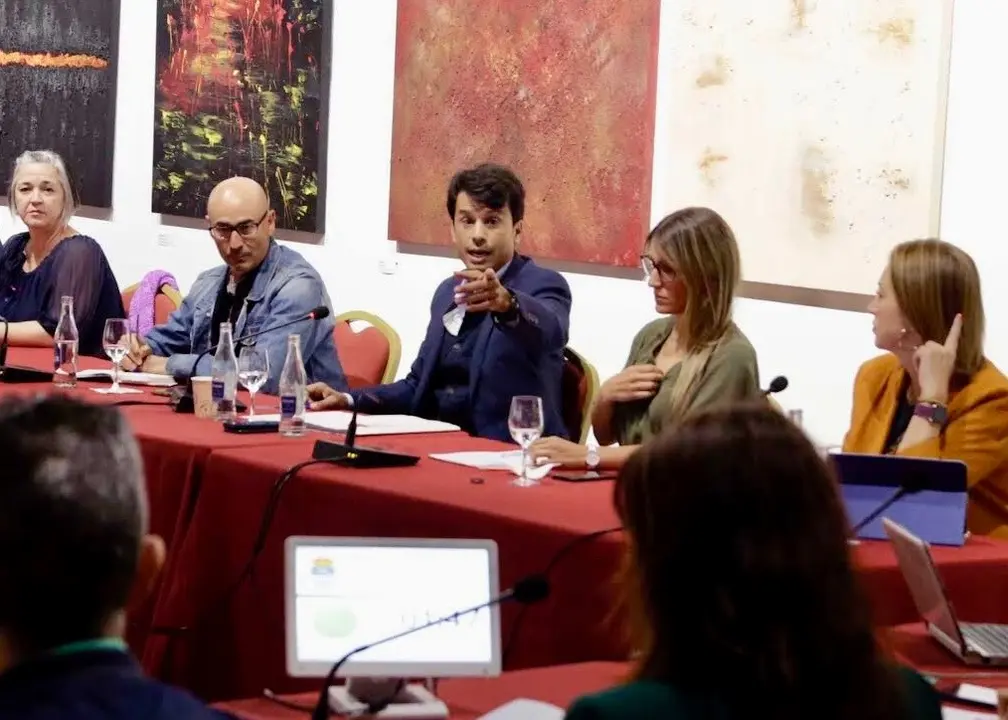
x,y
498,328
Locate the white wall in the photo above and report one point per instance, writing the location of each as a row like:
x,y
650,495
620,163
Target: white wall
x,y
819,350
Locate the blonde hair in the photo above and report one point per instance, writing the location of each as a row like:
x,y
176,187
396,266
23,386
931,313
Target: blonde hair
x,y
702,248
44,157
933,281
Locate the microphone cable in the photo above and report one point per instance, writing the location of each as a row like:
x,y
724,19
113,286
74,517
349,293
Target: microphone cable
x,y
560,554
221,603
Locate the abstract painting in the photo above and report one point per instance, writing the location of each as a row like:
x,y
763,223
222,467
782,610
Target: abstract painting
x,y
58,88
815,128
563,91
242,90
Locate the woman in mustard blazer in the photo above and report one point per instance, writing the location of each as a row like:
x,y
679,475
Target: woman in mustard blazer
x,y
934,394
742,596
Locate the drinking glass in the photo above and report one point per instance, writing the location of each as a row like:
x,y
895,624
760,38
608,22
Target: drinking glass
x,y
116,341
253,369
525,421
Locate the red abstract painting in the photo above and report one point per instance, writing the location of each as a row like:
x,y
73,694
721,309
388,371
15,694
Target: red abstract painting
x,y
563,91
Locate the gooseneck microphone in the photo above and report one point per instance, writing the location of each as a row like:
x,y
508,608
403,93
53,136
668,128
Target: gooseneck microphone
x,y
778,384
526,591
183,402
909,486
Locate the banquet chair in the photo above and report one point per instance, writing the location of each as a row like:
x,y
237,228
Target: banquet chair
x,y
580,384
369,348
167,301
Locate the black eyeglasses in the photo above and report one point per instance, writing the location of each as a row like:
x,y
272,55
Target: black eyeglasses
x,y
649,266
223,231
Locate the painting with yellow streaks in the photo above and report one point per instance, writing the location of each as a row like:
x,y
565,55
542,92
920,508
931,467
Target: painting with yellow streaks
x,y
241,90
58,88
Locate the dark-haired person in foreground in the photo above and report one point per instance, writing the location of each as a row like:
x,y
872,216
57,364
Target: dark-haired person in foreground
x,y
764,617
73,544
498,328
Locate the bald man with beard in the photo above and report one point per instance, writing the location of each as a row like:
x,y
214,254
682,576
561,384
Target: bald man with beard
x,y
262,284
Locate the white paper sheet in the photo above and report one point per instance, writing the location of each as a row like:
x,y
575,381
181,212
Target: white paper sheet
x,y
968,691
951,713
129,378
509,460
524,709
339,420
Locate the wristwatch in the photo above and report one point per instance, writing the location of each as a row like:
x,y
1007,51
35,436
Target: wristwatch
x,y
592,458
934,412
510,315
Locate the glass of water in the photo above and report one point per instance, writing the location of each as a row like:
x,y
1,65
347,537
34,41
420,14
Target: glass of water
x,y
525,422
253,369
116,341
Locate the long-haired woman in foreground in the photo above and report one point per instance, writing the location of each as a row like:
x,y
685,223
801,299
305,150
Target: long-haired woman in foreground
x,y
742,597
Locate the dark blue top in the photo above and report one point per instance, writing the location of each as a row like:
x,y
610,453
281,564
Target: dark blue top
x,y
93,685
77,266
447,396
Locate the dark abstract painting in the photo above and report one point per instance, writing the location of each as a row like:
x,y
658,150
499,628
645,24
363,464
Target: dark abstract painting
x,y
561,90
241,90
58,88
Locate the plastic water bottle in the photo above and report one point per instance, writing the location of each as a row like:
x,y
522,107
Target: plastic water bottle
x,y
293,390
65,341
224,375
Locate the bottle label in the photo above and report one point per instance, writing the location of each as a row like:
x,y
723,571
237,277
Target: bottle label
x,y
288,406
217,390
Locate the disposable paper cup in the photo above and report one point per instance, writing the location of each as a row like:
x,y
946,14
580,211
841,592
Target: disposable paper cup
x,y
203,404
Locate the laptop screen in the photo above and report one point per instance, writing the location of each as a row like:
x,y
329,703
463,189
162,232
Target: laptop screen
x,y
346,593
922,579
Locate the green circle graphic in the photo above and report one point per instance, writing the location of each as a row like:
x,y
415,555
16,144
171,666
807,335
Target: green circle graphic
x,y
337,621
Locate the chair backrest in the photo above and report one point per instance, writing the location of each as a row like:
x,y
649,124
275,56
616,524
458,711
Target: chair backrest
x,y
580,384
370,355
167,301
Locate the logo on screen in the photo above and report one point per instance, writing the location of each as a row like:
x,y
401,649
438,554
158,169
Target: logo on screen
x,y
322,567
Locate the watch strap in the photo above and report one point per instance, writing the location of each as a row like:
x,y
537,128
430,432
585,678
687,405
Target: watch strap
x,y
934,412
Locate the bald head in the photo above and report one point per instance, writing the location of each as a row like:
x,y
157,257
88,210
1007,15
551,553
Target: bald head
x,y
241,191
241,223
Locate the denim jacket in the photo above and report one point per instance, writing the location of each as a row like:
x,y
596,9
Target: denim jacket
x,y
285,287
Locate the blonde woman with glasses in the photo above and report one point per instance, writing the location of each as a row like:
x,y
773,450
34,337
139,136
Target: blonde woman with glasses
x,y
694,357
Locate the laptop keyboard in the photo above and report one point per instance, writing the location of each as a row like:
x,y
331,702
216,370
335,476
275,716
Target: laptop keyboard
x,y
989,639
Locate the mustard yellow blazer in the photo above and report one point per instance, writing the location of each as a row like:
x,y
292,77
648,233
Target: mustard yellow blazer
x,y
976,433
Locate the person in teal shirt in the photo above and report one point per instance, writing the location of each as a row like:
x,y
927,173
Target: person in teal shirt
x,y
738,584
74,547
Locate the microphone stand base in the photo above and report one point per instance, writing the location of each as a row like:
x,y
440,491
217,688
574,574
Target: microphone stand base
x,y
412,702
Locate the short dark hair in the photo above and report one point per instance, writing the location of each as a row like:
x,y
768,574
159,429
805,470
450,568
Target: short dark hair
x,y
73,515
774,616
492,186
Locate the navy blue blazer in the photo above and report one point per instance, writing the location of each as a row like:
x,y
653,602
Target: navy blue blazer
x,y
94,685
523,358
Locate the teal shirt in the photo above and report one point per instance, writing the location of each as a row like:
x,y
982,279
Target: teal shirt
x,y
646,699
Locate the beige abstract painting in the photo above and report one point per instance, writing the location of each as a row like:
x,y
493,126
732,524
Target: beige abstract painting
x,y
814,126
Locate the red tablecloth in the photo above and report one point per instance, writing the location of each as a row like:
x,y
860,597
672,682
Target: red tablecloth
x,y
470,698
174,449
242,650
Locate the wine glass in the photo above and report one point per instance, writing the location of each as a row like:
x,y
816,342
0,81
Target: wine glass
x,y
525,421
253,369
116,341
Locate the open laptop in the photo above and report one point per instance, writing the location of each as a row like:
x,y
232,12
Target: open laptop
x,y
342,593
974,643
